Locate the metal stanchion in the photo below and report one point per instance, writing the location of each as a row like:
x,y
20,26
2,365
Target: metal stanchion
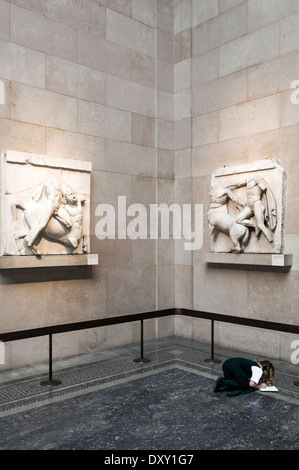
x,y
212,360
141,359
51,381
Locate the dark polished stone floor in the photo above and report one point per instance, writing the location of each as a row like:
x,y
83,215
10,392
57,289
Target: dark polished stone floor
x,y
108,402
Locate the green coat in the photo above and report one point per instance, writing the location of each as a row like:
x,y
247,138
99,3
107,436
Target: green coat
x,y
237,373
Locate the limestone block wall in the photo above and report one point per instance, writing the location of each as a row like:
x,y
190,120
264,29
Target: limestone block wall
x,y
236,81
91,80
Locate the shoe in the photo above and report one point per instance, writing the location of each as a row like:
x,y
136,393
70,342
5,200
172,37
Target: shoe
x,y
219,384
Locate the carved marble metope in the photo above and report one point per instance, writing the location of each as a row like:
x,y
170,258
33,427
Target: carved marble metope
x,y
247,207
45,205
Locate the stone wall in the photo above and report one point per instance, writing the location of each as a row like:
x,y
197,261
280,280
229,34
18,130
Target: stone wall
x,y
235,84
91,80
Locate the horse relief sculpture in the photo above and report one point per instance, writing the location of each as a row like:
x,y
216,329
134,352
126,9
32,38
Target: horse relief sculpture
x,y
246,212
48,217
54,212
220,218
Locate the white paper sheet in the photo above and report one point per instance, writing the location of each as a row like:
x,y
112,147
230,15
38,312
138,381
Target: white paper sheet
x,y
269,389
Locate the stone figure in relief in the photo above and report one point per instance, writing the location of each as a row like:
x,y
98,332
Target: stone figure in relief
x,y
54,212
219,217
261,205
52,200
261,187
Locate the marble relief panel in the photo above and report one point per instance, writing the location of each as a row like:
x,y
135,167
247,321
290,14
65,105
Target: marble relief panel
x,y
45,205
247,208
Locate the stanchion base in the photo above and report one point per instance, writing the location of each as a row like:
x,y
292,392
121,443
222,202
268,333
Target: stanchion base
x,y
211,360
142,360
296,384
50,382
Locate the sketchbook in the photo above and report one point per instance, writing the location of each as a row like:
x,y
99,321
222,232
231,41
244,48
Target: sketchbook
x,y
269,389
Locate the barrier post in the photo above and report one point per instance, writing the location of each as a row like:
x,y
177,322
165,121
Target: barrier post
x,y
212,360
51,381
141,359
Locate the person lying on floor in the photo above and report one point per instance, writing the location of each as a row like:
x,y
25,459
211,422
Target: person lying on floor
x,y
242,375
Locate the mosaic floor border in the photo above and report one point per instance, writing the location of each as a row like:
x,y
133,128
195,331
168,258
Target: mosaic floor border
x,y
24,394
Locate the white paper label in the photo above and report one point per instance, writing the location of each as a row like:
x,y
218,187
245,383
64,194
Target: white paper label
x,y
277,260
92,259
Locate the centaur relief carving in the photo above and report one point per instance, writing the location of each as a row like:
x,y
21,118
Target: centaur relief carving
x,y
247,208
54,212
41,212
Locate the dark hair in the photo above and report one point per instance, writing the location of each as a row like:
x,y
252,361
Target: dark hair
x,y
268,372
